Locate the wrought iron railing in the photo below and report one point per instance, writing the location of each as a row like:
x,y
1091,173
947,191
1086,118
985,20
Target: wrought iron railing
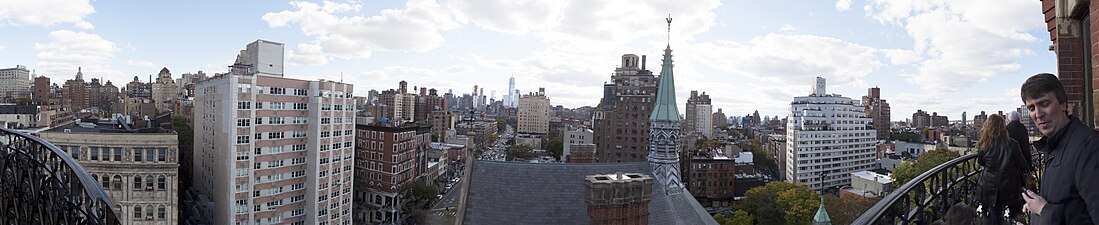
x,y
927,197
40,184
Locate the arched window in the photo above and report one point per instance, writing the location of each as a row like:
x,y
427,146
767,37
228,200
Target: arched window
x,y
149,211
160,210
160,183
137,182
137,212
149,183
116,183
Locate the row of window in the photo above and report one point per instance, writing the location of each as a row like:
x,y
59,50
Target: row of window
x,y
118,154
114,183
161,212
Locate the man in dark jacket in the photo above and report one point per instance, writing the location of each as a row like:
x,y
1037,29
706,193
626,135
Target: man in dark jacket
x,y
1070,189
1019,133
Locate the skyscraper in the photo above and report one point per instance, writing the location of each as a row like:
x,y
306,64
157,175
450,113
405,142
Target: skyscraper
x,y
698,115
511,99
15,84
828,137
165,91
533,118
270,149
878,110
621,128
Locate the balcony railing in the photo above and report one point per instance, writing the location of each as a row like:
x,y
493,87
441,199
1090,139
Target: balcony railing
x,y
927,197
40,184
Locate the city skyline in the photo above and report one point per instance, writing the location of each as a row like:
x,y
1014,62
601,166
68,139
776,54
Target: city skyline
x,y
938,56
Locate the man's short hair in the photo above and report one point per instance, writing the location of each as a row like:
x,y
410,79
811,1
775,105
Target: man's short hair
x,y
1040,84
1013,116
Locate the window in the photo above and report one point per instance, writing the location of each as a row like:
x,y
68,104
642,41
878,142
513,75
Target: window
x,y
116,184
244,122
278,91
137,182
161,154
137,212
301,92
149,212
149,184
160,182
160,212
243,139
138,154
117,154
106,182
95,153
244,105
150,154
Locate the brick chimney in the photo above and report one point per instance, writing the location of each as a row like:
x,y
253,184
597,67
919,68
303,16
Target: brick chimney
x,y
621,198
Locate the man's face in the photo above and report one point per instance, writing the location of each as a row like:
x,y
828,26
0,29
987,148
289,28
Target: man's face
x,y
1047,113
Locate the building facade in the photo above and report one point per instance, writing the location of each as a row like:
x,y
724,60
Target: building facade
x,y
15,84
575,137
389,158
699,113
273,150
878,111
137,169
533,118
165,91
40,91
828,137
621,124
1073,36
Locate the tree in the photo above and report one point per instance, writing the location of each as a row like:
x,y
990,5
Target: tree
x,y
845,209
423,191
740,218
501,125
556,147
909,170
794,202
522,152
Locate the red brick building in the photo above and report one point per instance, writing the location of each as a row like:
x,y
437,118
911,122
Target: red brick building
x,y
712,179
1075,41
582,153
388,159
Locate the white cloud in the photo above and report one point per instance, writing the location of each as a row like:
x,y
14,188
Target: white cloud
x,y
68,50
843,5
85,25
140,63
512,17
788,28
45,12
604,22
960,43
2,48
417,28
789,59
307,54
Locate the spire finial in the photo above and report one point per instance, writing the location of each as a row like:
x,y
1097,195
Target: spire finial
x,y
669,19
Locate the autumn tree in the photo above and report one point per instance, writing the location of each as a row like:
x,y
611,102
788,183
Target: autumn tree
x,y
781,203
909,170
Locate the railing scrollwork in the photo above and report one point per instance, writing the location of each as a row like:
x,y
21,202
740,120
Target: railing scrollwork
x,y
927,197
41,184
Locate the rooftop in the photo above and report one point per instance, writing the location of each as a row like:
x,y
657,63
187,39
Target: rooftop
x,y
873,177
107,126
528,193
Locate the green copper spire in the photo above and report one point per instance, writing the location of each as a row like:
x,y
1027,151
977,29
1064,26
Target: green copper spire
x,y
822,215
665,108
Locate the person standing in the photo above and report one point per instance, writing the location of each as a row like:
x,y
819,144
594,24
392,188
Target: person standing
x,y
1003,166
1069,187
1019,133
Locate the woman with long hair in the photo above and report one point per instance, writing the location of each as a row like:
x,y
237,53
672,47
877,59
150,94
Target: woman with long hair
x,y
1001,180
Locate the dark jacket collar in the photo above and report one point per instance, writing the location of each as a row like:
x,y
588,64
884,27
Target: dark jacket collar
x,y
1050,143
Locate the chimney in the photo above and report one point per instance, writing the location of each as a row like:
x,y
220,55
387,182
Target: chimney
x,y
620,198
643,59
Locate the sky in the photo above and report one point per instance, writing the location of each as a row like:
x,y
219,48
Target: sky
x,y
945,56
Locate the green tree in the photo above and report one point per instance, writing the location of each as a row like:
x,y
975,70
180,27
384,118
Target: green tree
x,y
791,201
501,125
556,147
740,217
522,152
423,192
909,170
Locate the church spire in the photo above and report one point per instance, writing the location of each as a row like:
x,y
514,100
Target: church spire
x,y
664,129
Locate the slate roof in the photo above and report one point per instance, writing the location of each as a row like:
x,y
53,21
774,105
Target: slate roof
x,y
531,193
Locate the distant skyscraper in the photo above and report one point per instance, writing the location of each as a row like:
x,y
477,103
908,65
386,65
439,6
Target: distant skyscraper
x,y
719,118
165,91
878,110
698,115
533,118
511,99
827,137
